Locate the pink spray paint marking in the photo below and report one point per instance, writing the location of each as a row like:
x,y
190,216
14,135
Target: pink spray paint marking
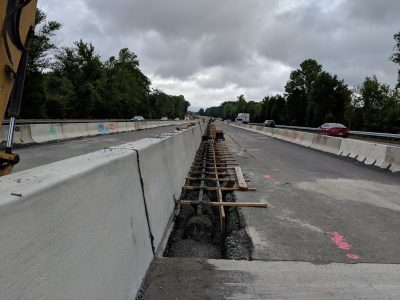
x,y
342,244
266,177
339,240
353,256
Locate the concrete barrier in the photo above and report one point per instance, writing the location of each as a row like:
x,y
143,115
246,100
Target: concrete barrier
x,y
279,133
369,153
3,133
22,134
152,124
121,126
268,131
97,128
42,133
379,155
112,127
326,143
75,229
131,126
74,130
164,165
392,159
141,125
81,228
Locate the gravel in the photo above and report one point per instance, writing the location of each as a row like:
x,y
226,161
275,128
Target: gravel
x,y
195,249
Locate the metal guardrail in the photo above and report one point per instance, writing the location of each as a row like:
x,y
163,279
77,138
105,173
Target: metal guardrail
x,y
381,135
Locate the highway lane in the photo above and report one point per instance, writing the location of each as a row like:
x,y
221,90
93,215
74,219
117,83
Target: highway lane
x,y
322,208
37,155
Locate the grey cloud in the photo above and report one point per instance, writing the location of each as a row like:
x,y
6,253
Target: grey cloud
x,y
213,50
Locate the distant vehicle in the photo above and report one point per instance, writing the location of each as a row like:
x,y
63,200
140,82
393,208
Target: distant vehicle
x,y
137,118
177,119
243,118
333,129
269,123
164,119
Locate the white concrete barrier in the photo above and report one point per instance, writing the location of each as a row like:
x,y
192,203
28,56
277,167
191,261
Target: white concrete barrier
x,y
303,138
141,125
22,134
3,133
197,134
74,229
121,126
152,124
112,126
279,133
131,126
74,130
369,153
379,155
268,131
164,165
392,159
42,133
97,128
81,228
326,143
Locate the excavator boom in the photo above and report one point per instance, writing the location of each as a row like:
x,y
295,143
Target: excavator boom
x,y
17,21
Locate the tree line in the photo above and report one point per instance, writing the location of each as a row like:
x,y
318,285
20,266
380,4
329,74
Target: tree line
x,y
74,82
314,96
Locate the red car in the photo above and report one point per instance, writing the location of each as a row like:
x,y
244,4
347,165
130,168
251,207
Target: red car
x,y
333,129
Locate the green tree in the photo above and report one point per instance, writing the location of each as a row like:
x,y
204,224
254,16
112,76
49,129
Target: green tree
x,y
299,108
380,105
83,68
229,110
328,99
126,89
35,96
279,109
59,93
396,56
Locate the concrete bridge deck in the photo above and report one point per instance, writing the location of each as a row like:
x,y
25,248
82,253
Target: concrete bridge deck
x,y
331,231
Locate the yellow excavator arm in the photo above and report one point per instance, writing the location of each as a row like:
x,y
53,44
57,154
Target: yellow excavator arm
x,y
17,21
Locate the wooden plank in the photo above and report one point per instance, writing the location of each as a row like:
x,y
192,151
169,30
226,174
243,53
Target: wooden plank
x,y
213,168
241,181
232,204
211,164
216,188
214,179
213,173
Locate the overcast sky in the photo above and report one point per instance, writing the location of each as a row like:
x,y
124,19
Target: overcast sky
x,y
214,50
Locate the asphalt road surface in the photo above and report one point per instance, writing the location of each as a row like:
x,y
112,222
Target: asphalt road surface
x,y
37,155
322,208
